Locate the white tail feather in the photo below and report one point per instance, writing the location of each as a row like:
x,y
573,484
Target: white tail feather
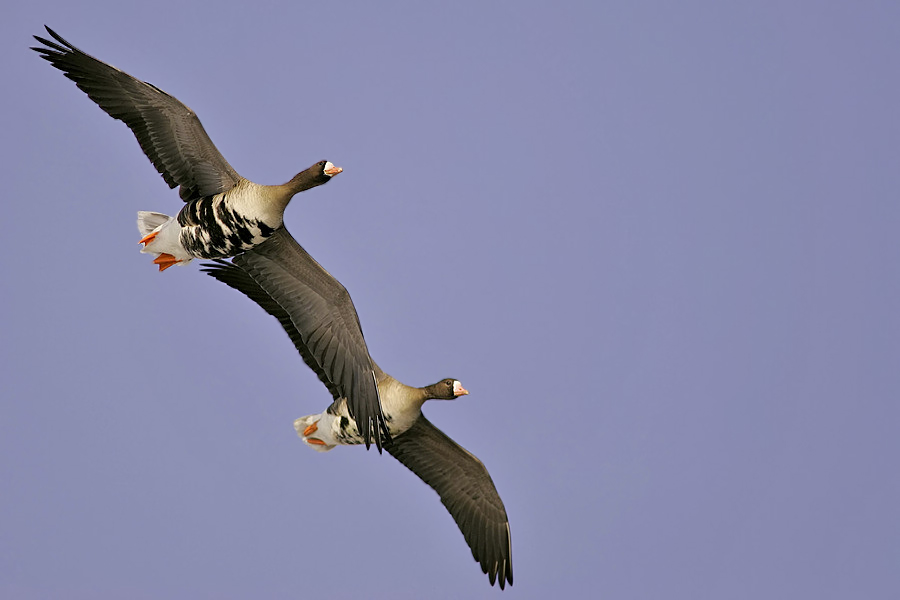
x,y
148,221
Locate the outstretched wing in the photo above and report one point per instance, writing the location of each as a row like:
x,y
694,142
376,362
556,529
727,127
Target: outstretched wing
x,y
170,134
465,488
324,321
235,277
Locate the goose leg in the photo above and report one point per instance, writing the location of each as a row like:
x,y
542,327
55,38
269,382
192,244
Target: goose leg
x,y
165,261
148,238
312,428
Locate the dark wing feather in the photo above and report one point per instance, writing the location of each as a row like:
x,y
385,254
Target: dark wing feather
x,y
465,488
235,277
321,311
170,134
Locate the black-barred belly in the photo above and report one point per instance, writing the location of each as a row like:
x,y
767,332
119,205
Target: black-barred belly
x,y
211,229
345,430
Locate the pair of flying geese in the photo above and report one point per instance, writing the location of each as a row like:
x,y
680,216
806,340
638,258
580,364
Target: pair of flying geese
x,y
227,216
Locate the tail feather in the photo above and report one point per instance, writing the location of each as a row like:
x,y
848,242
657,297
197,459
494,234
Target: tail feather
x,y
148,221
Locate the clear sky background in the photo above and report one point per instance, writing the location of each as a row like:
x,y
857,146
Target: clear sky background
x,y
657,241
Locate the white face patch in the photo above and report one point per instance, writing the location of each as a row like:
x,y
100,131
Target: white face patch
x,y
330,169
457,388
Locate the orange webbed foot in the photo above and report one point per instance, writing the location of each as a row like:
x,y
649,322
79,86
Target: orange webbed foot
x,y
165,261
148,238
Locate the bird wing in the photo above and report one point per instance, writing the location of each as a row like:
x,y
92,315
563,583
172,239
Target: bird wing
x,y
170,134
235,277
323,323
465,488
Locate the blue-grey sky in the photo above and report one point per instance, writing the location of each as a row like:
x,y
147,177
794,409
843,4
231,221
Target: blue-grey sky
x,y
658,242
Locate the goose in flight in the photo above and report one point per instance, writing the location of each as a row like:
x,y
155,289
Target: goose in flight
x,y
224,213
319,317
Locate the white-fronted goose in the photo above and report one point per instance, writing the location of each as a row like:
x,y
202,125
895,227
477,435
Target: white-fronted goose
x,y
225,214
318,315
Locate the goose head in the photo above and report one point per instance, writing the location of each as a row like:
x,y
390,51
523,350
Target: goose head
x,y
318,174
446,389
